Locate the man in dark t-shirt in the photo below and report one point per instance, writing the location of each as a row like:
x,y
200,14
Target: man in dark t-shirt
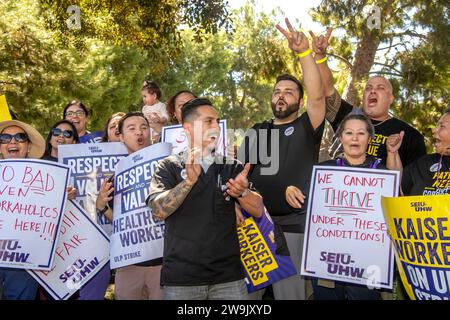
x,y
377,100
195,192
413,145
283,151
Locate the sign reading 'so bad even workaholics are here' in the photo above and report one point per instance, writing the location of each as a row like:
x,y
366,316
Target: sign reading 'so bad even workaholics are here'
x,y
136,237
33,196
346,235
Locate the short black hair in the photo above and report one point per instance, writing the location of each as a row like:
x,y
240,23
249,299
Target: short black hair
x,y
190,107
152,87
129,115
447,111
289,77
75,103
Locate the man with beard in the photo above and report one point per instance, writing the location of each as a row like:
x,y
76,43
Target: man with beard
x,y
298,140
377,100
195,192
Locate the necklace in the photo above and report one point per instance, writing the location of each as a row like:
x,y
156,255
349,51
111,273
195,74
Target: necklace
x,y
380,123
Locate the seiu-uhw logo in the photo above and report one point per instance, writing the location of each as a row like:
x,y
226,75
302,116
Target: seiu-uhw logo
x,y
421,207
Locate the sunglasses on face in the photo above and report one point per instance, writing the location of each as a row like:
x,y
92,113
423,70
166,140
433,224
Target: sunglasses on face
x,y
19,137
56,132
78,113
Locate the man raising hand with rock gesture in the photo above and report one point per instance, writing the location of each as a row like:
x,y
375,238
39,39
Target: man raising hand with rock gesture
x,y
294,148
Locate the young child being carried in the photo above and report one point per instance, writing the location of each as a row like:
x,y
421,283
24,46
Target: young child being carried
x,y
154,110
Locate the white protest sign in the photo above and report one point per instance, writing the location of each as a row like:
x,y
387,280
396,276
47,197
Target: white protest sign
x,y
82,251
90,165
32,199
136,237
177,137
346,235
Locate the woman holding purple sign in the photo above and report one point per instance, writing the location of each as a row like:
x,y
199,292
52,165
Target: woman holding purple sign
x,y
19,140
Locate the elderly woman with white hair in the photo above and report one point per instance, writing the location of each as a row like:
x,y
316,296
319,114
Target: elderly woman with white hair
x,y
19,140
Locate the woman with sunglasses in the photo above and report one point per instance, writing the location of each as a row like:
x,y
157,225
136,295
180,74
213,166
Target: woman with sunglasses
x,y
62,132
19,140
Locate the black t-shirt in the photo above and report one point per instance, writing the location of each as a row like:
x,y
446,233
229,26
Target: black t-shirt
x,y
429,175
49,158
201,246
298,145
413,145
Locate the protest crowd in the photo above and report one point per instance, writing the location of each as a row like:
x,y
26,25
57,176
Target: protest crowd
x,y
201,222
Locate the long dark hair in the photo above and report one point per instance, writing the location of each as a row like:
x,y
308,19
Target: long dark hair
x,y
171,104
48,146
117,114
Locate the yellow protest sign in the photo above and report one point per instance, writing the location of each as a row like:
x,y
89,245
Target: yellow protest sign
x,y
420,230
4,110
256,256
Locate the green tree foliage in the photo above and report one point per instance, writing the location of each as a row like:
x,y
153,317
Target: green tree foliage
x,y
149,24
45,64
236,70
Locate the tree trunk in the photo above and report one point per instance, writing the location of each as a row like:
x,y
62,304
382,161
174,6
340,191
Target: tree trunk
x,y
362,63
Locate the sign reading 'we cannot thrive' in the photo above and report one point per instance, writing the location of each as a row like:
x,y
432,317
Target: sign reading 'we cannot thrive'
x,y
346,235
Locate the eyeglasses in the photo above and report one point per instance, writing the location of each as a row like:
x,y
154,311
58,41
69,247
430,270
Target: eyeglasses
x,y
56,132
20,137
78,113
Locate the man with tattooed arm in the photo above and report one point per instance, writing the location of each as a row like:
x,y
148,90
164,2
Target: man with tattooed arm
x,y
196,192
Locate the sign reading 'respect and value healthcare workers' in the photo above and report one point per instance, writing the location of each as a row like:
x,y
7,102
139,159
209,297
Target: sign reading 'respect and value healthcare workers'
x,y
420,230
136,237
90,165
32,200
346,235
177,137
82,251
263,266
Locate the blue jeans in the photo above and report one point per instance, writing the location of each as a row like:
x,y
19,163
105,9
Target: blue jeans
x,y
17,284
344,291
235,290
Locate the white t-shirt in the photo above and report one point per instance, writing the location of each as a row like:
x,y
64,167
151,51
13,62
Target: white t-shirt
x,y
158,108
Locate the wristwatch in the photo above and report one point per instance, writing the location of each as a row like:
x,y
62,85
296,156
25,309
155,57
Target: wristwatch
x,y
102,212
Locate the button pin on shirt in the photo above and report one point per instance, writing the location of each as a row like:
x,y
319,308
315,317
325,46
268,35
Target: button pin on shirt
x,y
223,188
